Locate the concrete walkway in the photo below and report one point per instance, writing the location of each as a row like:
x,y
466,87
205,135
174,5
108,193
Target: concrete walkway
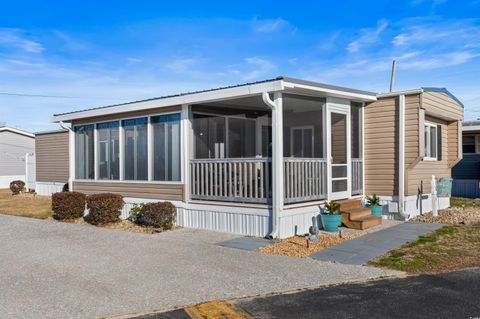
x,y
58,270
361,250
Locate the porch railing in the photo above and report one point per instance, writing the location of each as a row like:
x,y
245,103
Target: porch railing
x,y
357,176
305,179
248,180
229,179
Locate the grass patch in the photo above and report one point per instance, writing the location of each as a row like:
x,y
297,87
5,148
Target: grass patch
x,y
464,202
26,205
446,249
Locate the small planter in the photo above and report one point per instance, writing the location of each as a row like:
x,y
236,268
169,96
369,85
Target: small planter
x,y
376,209
331,222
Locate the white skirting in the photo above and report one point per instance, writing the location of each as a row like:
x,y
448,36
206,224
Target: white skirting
x,y
411,205
7,179
48,188
238,220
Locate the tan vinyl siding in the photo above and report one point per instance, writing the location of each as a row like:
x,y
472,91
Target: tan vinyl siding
x,y
442,105
453,142
424,169
412,129
52,157
381,155
137,190
133,114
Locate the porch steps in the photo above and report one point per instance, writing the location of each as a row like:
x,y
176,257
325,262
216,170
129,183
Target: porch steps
x,y
357,217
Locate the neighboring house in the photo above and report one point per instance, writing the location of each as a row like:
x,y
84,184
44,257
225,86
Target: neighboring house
x,y
52,151
259,158
15,164
466,173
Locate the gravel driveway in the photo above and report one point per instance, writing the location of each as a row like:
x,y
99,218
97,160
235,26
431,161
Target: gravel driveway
x,y
58,270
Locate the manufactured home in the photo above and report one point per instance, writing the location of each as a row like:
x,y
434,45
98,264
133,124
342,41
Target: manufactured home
x,y
260,158
466,174
17,157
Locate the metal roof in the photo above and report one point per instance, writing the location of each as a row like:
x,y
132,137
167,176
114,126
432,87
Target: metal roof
x,y
279,78
16,131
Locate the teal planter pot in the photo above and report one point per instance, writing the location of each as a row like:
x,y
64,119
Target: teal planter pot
x,y
376,209
331,222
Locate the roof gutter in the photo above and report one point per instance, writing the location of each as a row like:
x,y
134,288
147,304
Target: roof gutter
x,y
276,205
401,156
71,154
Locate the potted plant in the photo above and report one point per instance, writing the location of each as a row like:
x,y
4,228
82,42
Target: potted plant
x,y
373,202
331,217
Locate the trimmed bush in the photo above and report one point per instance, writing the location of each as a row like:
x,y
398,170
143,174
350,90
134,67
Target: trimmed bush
x,y
68,205
17,186
161,215
104,208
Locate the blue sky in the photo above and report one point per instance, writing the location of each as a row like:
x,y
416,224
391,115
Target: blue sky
x,y
62,56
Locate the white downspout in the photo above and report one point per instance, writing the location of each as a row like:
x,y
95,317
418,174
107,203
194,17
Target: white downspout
x,y
71,154
401,156
277,160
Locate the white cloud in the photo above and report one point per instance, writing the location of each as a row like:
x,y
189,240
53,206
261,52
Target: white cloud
x,y
14,38
182,65
268,26
254,69
367,37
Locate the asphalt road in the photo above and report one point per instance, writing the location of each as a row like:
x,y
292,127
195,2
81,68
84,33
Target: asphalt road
x,y
452,295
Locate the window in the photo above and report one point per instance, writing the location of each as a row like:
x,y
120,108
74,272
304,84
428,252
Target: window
x,y
471,144
166,147
108,150
301,141
136,145
431,141
84,152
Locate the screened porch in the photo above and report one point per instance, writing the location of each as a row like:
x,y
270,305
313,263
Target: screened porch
x,y
231,151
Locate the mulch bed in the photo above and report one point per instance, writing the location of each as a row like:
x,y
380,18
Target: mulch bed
x,y
452,216
125,225
297,246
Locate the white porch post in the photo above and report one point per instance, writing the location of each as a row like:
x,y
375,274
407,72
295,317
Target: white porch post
x,y
277,164
185,144
71,158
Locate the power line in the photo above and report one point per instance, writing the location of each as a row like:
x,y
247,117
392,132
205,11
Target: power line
x,y
39,95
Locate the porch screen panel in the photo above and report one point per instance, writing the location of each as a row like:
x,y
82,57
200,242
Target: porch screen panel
x,y
84,152
356,130
303,120
241,138
166,147
108,150
136,149
210,136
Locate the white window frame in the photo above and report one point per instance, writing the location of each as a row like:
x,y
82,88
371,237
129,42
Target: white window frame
x,y
428,142
122,149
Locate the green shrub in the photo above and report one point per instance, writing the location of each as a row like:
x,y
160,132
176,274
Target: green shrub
x,y
161,215
332,207
68,205
104,208
373,200
17,186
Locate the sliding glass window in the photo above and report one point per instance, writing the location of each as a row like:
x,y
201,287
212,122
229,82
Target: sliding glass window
x,y
136,149
108,150
84,152
166,147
